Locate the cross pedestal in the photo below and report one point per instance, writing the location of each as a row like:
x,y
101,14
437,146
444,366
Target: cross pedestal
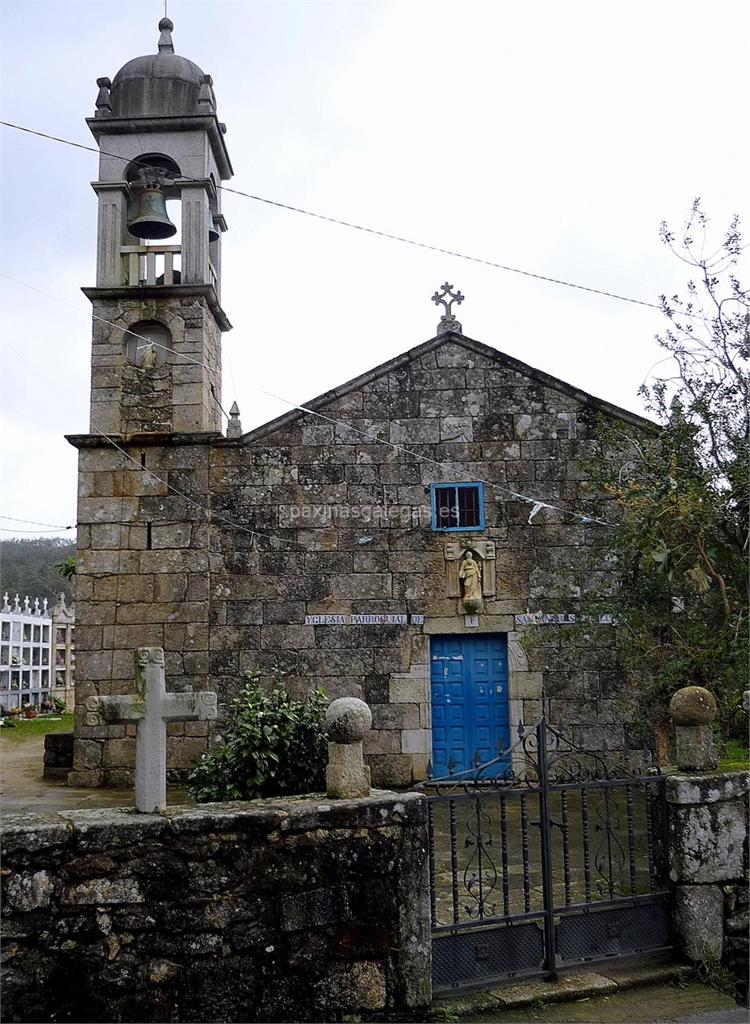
x,y
151,707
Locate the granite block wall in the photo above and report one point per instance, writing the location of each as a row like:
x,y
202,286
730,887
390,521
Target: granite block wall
x,y
708,861
307,546
265,911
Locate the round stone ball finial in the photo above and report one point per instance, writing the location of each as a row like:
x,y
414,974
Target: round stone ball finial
x,y
166,27
347,720
693,705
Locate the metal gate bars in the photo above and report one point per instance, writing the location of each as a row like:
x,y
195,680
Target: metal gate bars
x,y
556,865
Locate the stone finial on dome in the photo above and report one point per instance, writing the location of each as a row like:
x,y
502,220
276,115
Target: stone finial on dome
x,y
103,100
206,95
166,27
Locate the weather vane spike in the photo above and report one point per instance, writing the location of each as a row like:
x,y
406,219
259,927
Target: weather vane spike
x,y
446,297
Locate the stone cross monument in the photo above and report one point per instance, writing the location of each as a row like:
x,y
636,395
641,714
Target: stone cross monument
x,y
151,707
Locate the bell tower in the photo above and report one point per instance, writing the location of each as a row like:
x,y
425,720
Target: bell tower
x,y
158,320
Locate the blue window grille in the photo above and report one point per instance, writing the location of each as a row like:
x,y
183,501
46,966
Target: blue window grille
x,y
457,507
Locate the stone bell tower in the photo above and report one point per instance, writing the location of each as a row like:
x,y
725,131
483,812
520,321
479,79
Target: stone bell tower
x,y
144,530
161,144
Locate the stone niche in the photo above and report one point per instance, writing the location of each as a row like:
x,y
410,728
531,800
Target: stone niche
x,y
483,553
293,910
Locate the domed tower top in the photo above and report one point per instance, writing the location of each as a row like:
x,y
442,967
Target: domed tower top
x,y
161,84
160,144
161,92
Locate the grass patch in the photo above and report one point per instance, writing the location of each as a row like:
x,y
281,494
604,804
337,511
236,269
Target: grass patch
x,y
40,726
736,757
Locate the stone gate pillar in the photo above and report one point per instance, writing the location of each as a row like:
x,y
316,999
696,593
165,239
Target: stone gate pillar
x,y
708,843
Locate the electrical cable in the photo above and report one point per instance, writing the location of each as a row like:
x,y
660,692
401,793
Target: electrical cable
x,y
369,437
34,522
303,408
174,490
354,226
62,529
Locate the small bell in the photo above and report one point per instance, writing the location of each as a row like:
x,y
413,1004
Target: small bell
x,y
213,234
152,220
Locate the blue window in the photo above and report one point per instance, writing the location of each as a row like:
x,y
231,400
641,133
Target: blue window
x,y
457,506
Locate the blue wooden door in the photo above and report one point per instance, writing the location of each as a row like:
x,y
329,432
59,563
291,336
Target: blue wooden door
x,y
470,715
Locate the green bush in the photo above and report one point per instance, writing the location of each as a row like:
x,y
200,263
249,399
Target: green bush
x,y
273,746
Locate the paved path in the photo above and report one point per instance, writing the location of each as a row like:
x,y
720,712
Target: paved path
x,y
690,1003
23,788
740,1014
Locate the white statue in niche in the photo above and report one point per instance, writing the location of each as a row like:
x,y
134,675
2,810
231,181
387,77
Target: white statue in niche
x,y
146,343
470,575
149,357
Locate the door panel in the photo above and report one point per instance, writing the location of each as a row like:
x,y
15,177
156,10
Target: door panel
x,y
469,677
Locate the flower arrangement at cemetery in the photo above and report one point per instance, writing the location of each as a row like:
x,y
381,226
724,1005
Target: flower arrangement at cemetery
x,y
273,745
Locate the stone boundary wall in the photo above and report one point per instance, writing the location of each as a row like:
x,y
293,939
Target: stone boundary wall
x,y
271,910
708,858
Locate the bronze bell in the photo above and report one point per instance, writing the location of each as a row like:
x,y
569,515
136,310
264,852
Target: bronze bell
x,y
213,234
152,220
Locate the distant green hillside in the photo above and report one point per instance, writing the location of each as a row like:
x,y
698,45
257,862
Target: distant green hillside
x,y
28,567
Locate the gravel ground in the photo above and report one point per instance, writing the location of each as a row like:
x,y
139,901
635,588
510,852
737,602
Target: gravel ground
x,y
23,788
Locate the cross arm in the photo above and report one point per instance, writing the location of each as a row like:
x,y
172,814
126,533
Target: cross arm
x,y
185,707
113,710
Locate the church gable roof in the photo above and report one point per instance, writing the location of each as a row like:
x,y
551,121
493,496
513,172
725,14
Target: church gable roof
x,y
449,346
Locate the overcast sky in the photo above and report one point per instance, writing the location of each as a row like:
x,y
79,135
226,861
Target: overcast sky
x,y
552,137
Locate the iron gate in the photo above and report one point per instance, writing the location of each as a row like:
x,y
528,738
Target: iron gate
x,y
559,864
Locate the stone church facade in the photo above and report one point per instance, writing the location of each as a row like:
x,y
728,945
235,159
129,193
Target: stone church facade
x,y
393,540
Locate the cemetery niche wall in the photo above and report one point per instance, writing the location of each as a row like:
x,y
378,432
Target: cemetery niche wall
x,y
387,542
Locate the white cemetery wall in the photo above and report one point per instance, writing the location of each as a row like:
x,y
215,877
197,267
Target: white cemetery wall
x,y
25,653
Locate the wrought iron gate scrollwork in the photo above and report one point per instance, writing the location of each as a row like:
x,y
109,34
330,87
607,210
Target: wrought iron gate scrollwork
x,y
479,881
608,851
547,856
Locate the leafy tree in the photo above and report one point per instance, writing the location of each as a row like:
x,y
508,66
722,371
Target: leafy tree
x,y
682,494
274,745
27,566
67,569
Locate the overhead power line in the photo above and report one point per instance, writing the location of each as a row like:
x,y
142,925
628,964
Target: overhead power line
x,y
359,227
368,436
62,529
34,522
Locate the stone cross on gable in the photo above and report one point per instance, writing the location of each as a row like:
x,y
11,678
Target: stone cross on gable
x,y
151,707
